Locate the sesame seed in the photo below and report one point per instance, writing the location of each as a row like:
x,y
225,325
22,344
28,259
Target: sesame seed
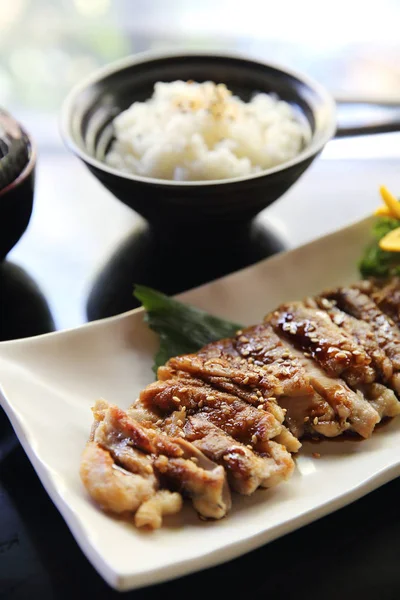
x,y
272,399
338,319
226,457
249,446
159,422
314,340
254,439
162,460
246,380
179,422
260,407
176,399
315,420
239,332
251,360
307,354
210,398
194,459
149,469
244,339
201,403
285,355
306,419
259,394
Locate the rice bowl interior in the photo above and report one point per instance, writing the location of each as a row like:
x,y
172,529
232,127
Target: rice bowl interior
x,y
190,131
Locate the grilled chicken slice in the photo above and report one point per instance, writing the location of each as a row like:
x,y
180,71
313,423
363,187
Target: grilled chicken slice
x,y
387,297
117,437
264,352
253,365
302,404
262,346
198,477
246,470
382,399
151,511
313,331
310,415
387,334
113,487
352,409
361,332
242,421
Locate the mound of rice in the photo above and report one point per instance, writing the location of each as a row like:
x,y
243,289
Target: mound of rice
x,y
191,131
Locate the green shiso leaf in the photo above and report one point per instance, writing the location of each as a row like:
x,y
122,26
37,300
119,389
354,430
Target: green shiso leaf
x,y
180,327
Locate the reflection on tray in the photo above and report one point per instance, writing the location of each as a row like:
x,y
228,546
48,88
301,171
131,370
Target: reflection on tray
x,y
24,311
173,261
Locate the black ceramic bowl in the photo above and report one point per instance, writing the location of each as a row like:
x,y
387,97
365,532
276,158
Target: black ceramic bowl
x,y
17,175
87,130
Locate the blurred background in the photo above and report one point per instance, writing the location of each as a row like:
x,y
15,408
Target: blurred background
x,y
46,46
351,46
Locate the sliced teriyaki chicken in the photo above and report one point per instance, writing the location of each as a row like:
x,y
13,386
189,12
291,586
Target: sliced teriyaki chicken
x,y
313,331
352,409
306,410
259,351
354,302
125,463
246,469
361,332
253,365
230,415
381,397
386,295
244,422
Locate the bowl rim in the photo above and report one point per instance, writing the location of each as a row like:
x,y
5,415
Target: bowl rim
x,y
149,56
27,170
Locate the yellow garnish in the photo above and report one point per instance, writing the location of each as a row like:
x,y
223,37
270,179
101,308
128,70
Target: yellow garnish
x,y
382,211
391,202
391,241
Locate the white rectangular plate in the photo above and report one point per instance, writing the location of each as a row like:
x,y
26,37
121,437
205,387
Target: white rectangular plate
x,y
49,383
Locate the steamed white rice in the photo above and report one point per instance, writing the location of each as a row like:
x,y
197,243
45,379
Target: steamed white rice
x,y
191,131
